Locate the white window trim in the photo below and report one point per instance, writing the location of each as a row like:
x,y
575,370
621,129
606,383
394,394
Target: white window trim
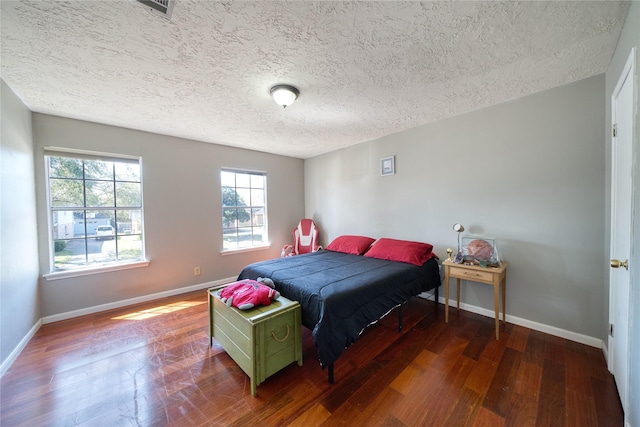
x,y
264,246
86,271
241,250
71,152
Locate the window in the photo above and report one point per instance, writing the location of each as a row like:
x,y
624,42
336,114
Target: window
x,y
95,210
244,209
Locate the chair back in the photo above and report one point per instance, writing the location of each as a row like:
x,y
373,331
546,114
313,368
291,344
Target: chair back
x,y
305,237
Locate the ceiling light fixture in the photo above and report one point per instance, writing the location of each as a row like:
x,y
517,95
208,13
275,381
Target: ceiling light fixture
x,y
284,94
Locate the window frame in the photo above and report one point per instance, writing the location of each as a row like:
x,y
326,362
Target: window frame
x,y
265,243
86,269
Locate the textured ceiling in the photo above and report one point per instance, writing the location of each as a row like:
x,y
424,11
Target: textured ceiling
x,y
365,69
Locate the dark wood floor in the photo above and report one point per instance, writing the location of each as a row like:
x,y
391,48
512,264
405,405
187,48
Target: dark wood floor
x,y
151,365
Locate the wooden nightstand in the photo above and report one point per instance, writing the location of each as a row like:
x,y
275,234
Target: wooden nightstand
x,y
495,276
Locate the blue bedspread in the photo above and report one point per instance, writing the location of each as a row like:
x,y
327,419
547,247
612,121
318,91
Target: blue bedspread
x,y
341,294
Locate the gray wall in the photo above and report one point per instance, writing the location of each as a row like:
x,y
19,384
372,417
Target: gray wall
x,y
530,173
181,186
629,38
19,298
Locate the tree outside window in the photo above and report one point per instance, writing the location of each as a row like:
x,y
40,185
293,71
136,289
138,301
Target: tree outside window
x,y
95,207
244,223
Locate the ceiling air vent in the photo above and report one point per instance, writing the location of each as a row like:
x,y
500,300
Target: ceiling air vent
x,y
164,7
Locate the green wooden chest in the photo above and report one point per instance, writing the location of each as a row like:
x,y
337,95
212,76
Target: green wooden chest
x,y
262,340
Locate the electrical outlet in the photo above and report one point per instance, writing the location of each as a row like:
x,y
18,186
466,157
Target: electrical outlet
x,y
196,271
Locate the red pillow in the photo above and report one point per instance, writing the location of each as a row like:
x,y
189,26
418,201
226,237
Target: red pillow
x,y
401,250
356,245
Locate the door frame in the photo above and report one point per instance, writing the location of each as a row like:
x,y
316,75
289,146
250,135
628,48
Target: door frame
x,y
628,72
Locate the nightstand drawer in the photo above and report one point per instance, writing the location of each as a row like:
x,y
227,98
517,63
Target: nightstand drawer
x,y
463,273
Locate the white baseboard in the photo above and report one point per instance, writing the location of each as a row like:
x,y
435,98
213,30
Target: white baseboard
x,y
98,308
551,330
21,345
605,351
131,301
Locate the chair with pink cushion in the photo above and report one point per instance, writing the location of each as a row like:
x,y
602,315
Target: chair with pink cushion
x,y
305,239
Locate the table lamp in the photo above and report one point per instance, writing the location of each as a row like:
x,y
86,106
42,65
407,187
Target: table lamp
x,y
458,228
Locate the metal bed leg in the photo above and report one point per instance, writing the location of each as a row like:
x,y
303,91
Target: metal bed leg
x,y
330,370
400,318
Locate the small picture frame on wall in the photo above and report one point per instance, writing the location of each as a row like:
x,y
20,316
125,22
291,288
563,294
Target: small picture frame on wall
x,y
387,166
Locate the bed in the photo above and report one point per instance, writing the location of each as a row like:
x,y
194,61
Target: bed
x,y
342,291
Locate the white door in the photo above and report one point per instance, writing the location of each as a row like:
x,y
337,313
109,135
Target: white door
x,y
621,193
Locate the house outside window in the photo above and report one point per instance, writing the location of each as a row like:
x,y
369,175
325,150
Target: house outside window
x,y
244,209
95,210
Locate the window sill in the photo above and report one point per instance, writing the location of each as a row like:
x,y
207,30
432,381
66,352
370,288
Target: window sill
x,y
242,250
58,275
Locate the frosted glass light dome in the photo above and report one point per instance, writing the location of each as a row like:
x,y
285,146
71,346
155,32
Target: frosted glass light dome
x,y
284,95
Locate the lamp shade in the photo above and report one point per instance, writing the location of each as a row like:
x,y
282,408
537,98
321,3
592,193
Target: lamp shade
x,y
284,95
458,227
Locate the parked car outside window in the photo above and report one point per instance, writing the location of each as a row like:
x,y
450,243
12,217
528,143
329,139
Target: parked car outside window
x,y
94,196
104,232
